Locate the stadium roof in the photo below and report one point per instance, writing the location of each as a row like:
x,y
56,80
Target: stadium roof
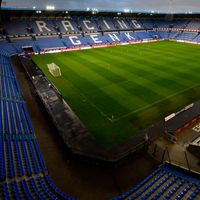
x,y
150,6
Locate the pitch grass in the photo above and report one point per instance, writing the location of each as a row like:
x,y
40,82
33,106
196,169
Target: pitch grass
x,y
117,91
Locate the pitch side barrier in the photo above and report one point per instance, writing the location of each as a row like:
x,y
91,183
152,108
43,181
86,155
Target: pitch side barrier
x,y
58,50
180,30
177,122
185,41
176,29
194,146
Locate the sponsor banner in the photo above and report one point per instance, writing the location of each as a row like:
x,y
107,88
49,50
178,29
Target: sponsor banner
x,y
190,123
171,116
83,48
135,42
190,42
58,50
124,43
99,46
185,41
176,29
184,109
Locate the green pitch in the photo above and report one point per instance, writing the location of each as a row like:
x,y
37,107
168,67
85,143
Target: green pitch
x,y
117,91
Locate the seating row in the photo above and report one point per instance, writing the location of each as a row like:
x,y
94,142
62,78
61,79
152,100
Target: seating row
x,y
23,174
166,182
87,24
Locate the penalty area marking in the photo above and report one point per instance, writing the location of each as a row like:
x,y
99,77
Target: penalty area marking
x,y
84,99
97,108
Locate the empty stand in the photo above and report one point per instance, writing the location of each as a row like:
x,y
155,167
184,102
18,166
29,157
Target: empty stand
x,y
23,174
78,31
167,182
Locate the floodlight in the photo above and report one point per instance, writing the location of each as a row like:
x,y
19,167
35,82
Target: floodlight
x,y
50,7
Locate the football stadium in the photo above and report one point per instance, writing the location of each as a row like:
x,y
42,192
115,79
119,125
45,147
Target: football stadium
x,y
99,100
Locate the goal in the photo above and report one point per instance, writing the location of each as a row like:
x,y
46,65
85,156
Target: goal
x,y
54,69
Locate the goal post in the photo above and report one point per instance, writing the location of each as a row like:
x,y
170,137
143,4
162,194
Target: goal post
x,y
54,69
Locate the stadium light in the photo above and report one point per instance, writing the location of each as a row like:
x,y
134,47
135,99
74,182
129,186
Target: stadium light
x,y
126,10
50,7
94,11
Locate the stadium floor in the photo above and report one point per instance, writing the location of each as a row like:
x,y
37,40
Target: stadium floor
x,y
119,90
80,180
177,153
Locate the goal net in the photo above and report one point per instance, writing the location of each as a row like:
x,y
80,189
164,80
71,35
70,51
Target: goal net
x,y
54,69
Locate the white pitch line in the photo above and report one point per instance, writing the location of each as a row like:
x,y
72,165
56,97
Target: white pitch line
x,y
96,107
134,111
149,105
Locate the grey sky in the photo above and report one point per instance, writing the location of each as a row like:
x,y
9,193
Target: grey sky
x,y
166,6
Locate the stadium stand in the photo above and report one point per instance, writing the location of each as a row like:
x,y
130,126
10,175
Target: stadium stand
x,y
105,23
163,34
165,183
186,36
20,29
23,173
42,34
193,25
50,42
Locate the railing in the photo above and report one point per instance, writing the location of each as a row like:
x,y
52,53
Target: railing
x,y
174,154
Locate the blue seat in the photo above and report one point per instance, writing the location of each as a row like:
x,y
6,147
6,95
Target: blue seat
x,y
175,179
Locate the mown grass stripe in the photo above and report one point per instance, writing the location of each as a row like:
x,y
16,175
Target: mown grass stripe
x,y
154,103
118,90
